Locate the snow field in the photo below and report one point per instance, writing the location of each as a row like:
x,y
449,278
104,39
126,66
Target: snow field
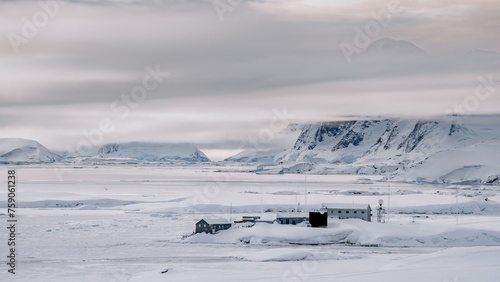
x,y
129,222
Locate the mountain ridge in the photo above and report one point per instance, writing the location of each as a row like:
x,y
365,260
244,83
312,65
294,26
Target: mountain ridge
x,y
19,150
397,148
151,152
25,151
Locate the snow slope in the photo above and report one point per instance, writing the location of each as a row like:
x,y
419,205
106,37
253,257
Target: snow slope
x,y
151,152
472,164
126,224
17,150
357,232
389,46
256,156
446,150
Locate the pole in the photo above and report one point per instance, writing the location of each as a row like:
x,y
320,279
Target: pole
x,y
389,202
305,189
296,203
261,202
456,206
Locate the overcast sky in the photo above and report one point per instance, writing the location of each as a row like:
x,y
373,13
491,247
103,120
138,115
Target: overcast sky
x,y
230,71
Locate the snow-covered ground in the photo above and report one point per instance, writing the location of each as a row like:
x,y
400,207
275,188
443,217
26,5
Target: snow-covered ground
x,y
127,224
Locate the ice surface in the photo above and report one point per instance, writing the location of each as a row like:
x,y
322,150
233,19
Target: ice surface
x,y
127,224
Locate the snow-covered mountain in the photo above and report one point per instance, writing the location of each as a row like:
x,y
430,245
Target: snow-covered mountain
x,y
389,46
17,150
448,150
151,152
459,149
256,156
351,141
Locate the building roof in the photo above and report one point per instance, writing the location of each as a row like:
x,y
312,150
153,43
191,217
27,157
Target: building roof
x,y
346,206
251,217
292,215
216,220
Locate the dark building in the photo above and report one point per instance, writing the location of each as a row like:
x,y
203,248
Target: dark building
x,y
250,218
318,219
212,225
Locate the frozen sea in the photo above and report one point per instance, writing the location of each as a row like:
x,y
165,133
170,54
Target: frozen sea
x,y
127,224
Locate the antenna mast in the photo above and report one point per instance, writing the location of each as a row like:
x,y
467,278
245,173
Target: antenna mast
x,y
305,189
261,202
389,202
380,212
231,213
456,206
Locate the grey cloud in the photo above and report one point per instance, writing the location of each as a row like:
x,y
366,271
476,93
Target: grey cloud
x,y
259,58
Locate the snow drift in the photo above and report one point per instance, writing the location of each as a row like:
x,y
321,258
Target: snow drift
x,y
356,232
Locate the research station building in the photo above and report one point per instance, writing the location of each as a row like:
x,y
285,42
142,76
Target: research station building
x,y
212,225
347,211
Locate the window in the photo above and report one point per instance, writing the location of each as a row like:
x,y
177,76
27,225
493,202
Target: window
x,y
363,212
340,211
204,225
355,212
346,211
199,225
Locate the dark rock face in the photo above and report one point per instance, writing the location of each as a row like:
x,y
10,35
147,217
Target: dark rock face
x,y
312,135
108,149
421,129
493,179
198,157
351,137
366,138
